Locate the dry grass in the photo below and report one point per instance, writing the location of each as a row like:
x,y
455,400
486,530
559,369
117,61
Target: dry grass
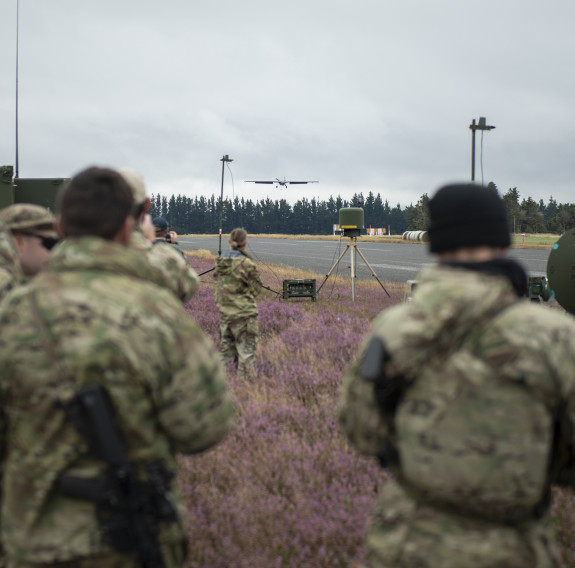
x,y
543,241
362,238
273,276
201,253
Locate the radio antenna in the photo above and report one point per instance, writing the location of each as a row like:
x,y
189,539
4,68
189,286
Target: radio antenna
x,y
16,165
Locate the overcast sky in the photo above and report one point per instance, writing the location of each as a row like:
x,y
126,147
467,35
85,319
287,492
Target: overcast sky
x,y
361,95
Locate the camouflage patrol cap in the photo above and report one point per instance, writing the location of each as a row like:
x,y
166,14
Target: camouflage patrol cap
x,y
25,216
136,182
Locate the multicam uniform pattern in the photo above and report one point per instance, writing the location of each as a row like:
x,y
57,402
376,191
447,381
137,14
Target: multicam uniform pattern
x,y
237,287
109,325
10,271
173,246
489,378
169,266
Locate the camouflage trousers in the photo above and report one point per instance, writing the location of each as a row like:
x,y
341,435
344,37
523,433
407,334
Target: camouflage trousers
x,y
238,342
175,556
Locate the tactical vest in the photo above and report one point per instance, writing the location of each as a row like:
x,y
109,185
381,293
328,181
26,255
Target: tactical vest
x,y
467,437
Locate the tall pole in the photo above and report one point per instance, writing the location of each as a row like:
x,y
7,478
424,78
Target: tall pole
x,y
481,125
473,129
224,159
352,255
16,165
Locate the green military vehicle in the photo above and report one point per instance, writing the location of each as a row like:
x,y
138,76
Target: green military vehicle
x,y
40,191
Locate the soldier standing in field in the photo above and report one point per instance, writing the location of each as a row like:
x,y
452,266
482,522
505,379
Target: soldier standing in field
x,y
88,480
237,286
467,396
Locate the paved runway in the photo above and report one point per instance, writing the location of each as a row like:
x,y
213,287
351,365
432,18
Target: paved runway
x,y
392,262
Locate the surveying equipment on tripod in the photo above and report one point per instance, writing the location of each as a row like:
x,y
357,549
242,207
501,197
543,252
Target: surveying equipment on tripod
x,y
351,222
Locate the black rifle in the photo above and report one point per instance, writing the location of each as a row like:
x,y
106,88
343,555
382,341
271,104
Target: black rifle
x,y
389,392
128,510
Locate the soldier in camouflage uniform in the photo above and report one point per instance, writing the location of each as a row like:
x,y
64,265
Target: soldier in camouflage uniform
x,y
237,286
170,267
467,395
94,318
165,237
10,271
25,249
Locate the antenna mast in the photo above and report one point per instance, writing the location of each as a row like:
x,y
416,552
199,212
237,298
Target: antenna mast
x,y
16,166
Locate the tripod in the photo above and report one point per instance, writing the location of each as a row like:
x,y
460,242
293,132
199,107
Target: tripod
x,y
352,246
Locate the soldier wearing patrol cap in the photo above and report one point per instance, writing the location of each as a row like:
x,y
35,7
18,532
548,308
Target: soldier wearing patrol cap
x,y
467,396
33,235
10,271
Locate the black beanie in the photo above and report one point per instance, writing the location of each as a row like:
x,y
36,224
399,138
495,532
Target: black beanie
x,y
467,215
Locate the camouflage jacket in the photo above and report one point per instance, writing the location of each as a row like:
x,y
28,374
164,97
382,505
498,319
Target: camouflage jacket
x,y
109,325
487,379
237,286
170,268
174,246
10,271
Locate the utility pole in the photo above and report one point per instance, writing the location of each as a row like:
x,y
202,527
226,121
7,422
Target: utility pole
x,y
482,125
224,159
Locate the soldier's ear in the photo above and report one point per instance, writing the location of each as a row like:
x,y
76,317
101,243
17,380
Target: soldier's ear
x,y
123,236
58,226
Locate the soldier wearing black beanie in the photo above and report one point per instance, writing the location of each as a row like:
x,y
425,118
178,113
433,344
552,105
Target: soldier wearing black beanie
x,y
454,392
469,230
467,216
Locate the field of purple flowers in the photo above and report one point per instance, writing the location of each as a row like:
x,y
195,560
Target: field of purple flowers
x,y
284,489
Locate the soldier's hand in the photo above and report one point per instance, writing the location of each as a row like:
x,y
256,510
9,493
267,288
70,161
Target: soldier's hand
x,y
173,237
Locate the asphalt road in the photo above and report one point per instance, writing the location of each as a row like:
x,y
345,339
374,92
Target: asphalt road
x,y
391,262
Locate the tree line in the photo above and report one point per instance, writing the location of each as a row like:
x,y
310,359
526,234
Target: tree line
x,y
201,215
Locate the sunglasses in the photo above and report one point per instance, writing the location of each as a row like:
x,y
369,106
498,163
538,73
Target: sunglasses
x,y
47,242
